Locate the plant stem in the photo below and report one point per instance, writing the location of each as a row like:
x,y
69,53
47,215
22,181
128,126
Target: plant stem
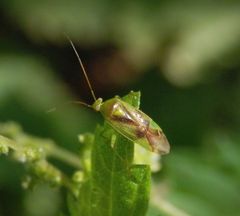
x,y
54,151
65,156
9,143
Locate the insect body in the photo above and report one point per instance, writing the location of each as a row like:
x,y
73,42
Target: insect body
x,y
128,120
133,124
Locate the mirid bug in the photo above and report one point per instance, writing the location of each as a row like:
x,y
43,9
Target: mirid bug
x,y
127,120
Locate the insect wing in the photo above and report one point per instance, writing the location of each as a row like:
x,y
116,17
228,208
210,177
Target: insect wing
x,y
135,125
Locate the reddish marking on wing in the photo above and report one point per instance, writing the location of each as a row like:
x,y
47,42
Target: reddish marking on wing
x,y
158,141
154,137
151,137
141,131
125,118
137,119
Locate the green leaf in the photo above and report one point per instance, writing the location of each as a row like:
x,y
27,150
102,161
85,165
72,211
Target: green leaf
x,y
117,187
133,98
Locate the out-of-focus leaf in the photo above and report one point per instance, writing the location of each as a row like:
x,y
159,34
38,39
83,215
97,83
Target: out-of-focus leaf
x,y
30,85
201,188
226,153
28,88
201,45
42,201
186,36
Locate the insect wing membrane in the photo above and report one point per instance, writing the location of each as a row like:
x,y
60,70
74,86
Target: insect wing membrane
x,y
135,125
116,115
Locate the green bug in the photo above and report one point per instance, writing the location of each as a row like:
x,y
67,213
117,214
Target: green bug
x,y
127,120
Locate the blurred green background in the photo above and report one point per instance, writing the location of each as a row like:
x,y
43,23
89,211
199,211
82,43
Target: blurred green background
x,y
184,56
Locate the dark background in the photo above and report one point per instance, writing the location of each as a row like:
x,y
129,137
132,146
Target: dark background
x,y
183,56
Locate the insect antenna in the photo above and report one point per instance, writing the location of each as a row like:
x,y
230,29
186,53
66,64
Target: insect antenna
x,y
81,103
86,77
53,109
83,69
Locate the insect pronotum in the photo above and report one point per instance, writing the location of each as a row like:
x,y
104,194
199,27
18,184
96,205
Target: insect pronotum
x,y
127,120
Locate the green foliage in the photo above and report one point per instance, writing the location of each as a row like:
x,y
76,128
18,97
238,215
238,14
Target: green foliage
x,y
183,56
34,152
144,30
207,183
112,185
28,89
